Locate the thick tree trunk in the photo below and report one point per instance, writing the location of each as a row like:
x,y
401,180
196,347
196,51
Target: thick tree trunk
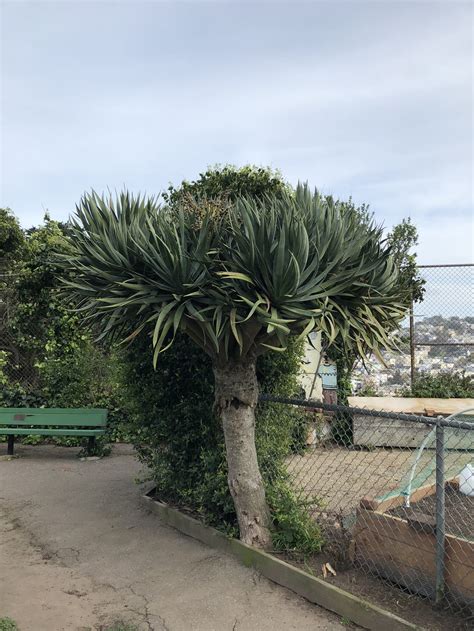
x,y
236,394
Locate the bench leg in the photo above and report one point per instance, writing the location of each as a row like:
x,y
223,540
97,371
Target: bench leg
x,y
91,445
10,447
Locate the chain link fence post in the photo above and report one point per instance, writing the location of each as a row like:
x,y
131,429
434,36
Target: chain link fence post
x,y
412,345
440,513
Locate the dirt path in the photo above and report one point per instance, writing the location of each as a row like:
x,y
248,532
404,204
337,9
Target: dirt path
x,y
40,594
78,552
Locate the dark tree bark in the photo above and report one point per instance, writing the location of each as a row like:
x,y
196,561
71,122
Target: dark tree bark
x,y
236,395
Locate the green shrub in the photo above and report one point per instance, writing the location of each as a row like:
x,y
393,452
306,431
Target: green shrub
x,y
7,624
51,360
294,528
230,181
444,385
89,377
369,389
14,395
178,437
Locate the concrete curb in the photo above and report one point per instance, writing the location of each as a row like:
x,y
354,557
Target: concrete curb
x,y
310,587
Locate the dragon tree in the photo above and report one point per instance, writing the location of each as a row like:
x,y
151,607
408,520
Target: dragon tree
x,y
239,278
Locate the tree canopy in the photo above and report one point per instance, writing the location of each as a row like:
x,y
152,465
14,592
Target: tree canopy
x,y
11,234
237,277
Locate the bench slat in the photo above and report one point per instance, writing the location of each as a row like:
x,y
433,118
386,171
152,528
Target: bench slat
x,y
38,431
86,417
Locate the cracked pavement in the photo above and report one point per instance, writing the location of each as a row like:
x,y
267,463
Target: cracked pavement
x,y
78,552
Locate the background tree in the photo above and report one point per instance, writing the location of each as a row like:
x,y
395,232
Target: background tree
x,y
11,236
39,322
239,278
402,239
46,357
230,182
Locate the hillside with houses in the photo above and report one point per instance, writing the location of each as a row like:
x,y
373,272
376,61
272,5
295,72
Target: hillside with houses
x,y
442,344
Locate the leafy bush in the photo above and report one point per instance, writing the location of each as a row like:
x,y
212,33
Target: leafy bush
x,y
444,385
11,235
295,529
231,182
50,360
178,437
89,377
369,389
7,624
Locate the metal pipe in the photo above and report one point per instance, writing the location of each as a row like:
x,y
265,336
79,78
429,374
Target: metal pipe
x,y
407,491
412,346
440,514
448,265
443,344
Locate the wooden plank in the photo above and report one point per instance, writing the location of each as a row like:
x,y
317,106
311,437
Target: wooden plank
x,y
375,528
388,502
389,546
382,432
48,411
42,431
53,416
392,501
412,405
420,522
460,565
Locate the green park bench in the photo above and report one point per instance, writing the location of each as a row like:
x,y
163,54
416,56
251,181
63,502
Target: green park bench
x,y
52,422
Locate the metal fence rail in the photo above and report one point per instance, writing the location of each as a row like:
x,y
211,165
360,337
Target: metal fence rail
x,y
393,494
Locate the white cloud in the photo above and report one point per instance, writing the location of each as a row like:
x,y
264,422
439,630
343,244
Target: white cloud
x,y
446,239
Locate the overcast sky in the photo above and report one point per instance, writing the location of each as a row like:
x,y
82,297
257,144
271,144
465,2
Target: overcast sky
x,y
369,99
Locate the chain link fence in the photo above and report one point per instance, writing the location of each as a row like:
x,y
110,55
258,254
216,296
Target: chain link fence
x,y
17,359
442,328
438,337
394,495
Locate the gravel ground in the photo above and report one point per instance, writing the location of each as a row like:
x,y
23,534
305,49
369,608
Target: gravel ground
x,y
340,477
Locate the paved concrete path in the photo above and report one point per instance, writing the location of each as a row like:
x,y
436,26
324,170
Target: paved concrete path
x,y
78,551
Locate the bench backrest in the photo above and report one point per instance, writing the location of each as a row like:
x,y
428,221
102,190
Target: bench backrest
x,y
85,417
